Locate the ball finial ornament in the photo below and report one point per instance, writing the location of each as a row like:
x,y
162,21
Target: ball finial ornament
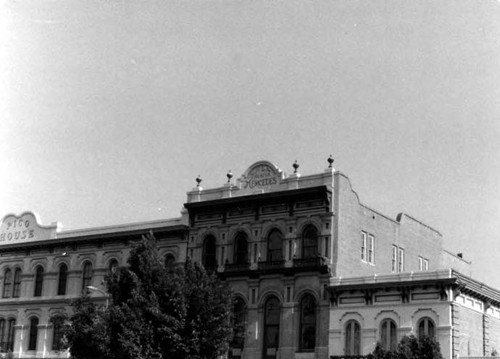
x,y
198,181
295,166
229,175
330,161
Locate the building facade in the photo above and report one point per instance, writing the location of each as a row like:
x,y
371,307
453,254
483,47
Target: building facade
x,y
315,272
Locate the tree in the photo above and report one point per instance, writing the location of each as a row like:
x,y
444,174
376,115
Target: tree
x,y
154,311
411,348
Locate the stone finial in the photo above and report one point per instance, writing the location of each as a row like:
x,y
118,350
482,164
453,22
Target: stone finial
x,y
330,161
198,181
229,175
295,166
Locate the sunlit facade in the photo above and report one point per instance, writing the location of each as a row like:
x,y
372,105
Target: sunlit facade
x,y
315,273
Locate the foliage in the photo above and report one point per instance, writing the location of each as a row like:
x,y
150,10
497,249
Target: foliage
x,y
411,348
154,312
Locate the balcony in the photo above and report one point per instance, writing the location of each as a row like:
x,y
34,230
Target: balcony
x,y
271,266
310,264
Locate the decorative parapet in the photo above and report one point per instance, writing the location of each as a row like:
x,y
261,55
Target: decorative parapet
x,y
25,228
261,177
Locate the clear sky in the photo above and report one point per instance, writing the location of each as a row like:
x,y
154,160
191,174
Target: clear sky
x,y
109,109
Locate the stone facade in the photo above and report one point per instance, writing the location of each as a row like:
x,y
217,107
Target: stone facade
x,y
315,272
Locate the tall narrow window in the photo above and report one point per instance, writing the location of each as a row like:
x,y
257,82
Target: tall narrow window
x,y
16,290
209,259
394,260
307,340
86,276
426,327
38,281
388,335
371,249
239,319
426,264
170,262
352,338
271,327
7,283
9,345
363,246
275,246
57,337
401,260
33,334
63,277
310,242
241,249
420,263
2,336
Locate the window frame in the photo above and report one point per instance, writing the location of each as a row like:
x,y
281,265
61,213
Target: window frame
x,y
275,236
352,338
16,287
7,283
209,258
310,237
62,279
363,245
87,275
33,334
428,326
389,332
370,258
305,324
401,260
39,274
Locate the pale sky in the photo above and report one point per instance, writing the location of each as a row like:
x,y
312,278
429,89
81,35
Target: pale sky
x,y
109,109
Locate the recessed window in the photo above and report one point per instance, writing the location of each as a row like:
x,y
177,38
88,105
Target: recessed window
x,y
275,246
33,335
426,327
310,242
352,338
63,278
371,249
86,276
307,329
7,334
388,335
16,290
38,281
209,258
7,283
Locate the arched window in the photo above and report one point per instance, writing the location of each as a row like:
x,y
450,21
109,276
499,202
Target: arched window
x,y
33,334
209,254
169,262
352,338
16,291
38,281
241,249
7,335
388,335
275,246
63,278
307,340
7,283
239,319
426,327
112,265
271,326
86,276
57,337
310,242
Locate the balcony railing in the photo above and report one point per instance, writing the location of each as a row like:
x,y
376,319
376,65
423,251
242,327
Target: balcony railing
x,y
236,267
271,266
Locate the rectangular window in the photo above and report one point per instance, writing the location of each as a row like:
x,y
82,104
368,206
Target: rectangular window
x,y
401,260
394,258
371,249
363,246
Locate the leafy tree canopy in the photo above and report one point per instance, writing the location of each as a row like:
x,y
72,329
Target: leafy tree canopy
x,y
154,311
411,348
